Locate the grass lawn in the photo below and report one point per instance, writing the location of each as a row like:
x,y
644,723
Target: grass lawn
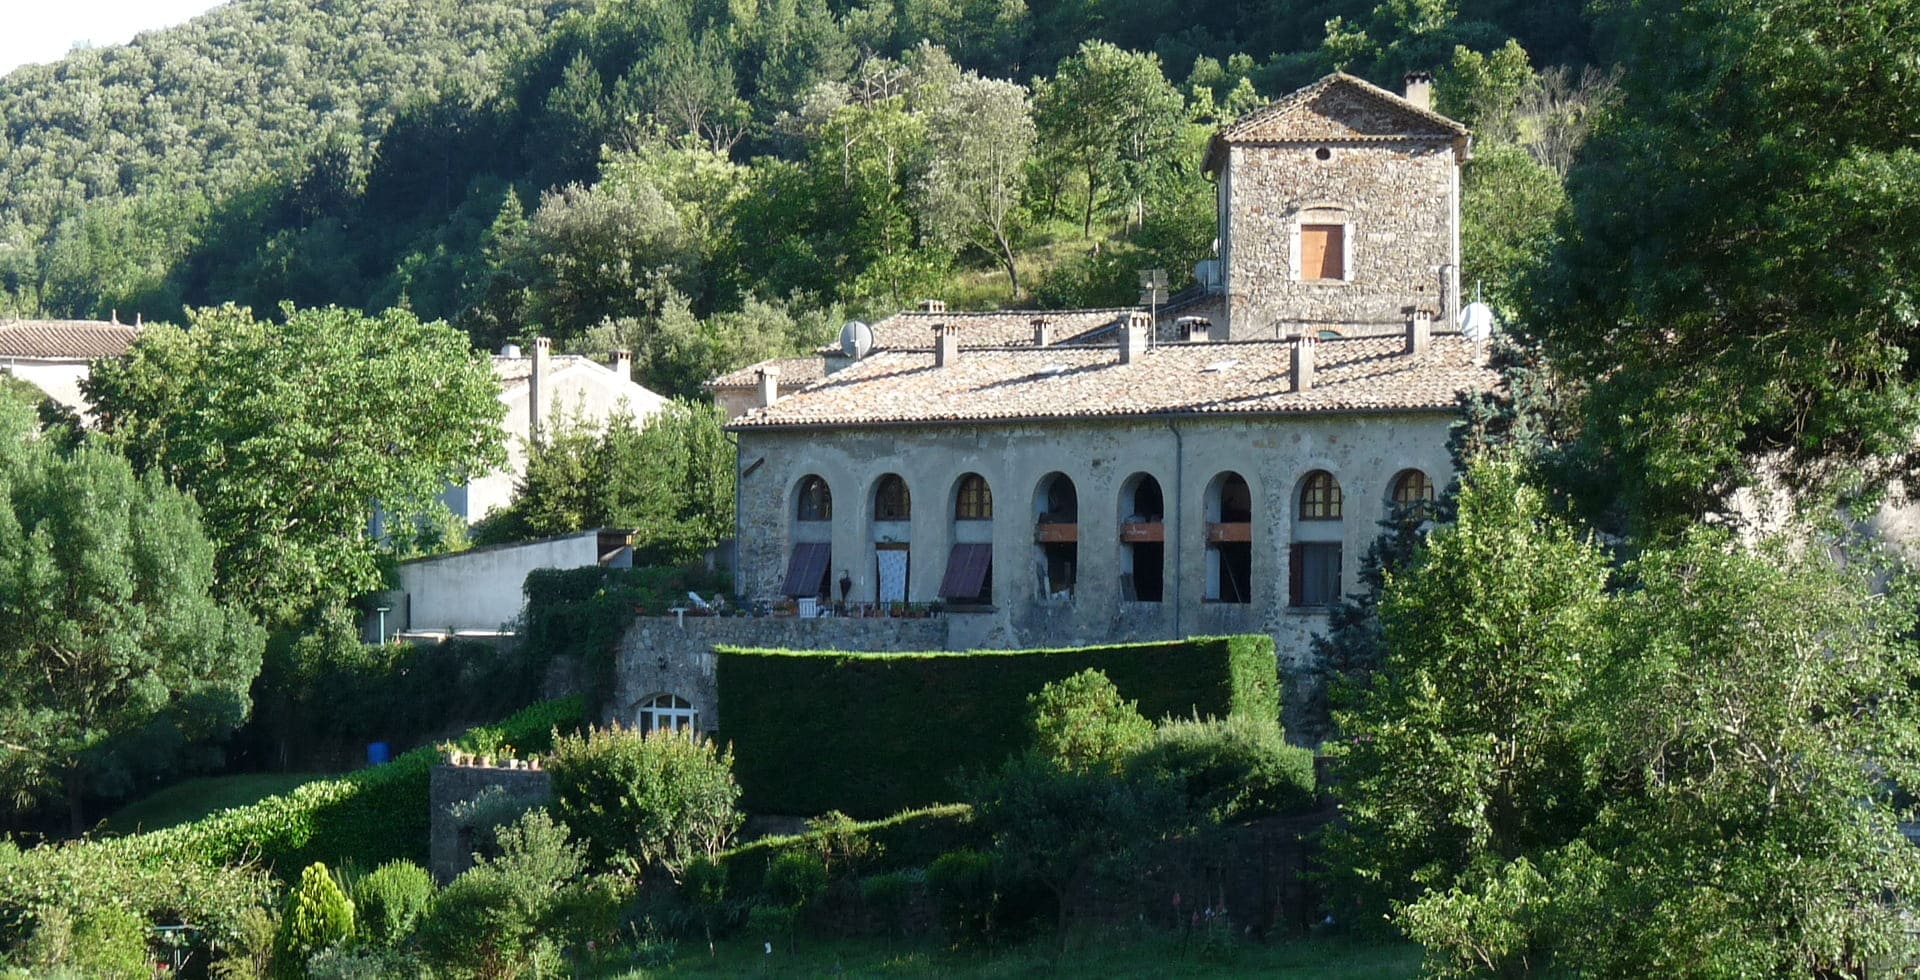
x,y
195,798
1118,955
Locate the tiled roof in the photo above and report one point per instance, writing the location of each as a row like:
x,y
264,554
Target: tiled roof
x,y
913,329
1336,109
65,339
512,371
795,372
1351,375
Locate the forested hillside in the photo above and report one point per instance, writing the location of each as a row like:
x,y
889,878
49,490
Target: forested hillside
x,y
706,183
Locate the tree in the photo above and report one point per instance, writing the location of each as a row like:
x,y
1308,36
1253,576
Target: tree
x,y
1113,116
116,654
646,799
1735,278
981,139
1082,723
290,434
1456,758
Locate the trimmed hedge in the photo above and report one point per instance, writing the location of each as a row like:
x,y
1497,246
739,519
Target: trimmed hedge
x,y
584,612
365,818
875,733
912,839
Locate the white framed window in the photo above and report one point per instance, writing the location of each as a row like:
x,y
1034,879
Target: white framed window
x,y
666,712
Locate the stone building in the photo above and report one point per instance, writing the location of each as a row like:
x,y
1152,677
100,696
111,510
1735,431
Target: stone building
x,y
56,356
1073,477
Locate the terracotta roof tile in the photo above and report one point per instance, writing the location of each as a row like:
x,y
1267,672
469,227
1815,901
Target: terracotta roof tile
x,y
65,339
913,329
1338,108
795,372
1351,375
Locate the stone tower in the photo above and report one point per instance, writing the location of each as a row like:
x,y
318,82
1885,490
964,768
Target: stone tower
x,y
1339,209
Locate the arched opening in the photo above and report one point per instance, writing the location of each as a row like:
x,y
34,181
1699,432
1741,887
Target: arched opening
x,y
969,577
1143,539
1056,535
809,568
892,539
1229,539
1313,560
666,713
1412,495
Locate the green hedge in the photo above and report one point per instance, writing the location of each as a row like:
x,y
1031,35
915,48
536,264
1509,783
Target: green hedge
x,y
873,734
365,818
584,612
912,839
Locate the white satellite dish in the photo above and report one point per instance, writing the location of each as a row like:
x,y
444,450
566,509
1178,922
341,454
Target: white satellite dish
x,y
1476,322
856,339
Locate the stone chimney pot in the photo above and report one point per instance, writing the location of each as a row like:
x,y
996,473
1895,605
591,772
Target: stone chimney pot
x,y
769,386
933,306
536,387
946,345
1303,363
1042,332
1135,331
623,364
1419,331
1420,89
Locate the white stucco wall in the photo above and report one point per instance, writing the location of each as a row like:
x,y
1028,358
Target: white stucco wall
x,y
59,379
480,589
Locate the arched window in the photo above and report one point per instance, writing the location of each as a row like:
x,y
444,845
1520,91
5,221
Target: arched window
x,y
1143,547
891,501
816,501
1412,488
1229,539
1320,497
1056,534
666,713
975,499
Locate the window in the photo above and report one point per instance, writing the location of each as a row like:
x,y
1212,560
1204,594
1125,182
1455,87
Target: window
x,y
891,501
975,501
1323,251
1229,557
816,501
1412,489
1056,535
1320,497
666,713
1315,578
1143,546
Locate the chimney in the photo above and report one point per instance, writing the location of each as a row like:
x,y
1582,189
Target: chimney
x,y
1135,330
933,306
1303,363
536,389
1042,332
769,386
1419,331
1196,329
946,344
1420,89
623,364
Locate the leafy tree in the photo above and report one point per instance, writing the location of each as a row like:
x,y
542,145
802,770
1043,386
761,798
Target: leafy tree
x,y
1081,723
1115,119
1509,205
116,651
645,800
291,433
980,140
1457,757
493,919
1735,278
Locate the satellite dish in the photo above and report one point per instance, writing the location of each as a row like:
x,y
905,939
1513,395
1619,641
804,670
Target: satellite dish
x,y
1476,322
856,339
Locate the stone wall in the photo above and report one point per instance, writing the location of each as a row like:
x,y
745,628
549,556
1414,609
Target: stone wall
x,y
661,656
450,841
1399,202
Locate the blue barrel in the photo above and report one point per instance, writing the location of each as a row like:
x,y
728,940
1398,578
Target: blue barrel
x,y
376,753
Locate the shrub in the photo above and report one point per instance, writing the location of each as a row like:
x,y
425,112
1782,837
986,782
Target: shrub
x,y
1082,723
486,922
390,902
1231,769
962,885
106,942
642,801
318,915
249,955
891,895
488,811
76,879
795,879
927,718
910,839
346,962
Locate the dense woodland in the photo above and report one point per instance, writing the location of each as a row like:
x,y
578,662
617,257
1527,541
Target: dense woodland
x,y
704,183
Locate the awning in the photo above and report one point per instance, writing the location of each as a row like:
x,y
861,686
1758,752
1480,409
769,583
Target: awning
x,y
807,567
966,571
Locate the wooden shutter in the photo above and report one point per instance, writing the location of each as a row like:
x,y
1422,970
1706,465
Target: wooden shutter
x,y
966,571
1296,574
807,568
1323,251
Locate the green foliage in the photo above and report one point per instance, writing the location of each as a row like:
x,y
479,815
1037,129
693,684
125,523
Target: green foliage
x,y
391,900
671,482
1111,117
1458,752
926,718
318,915
795,879
909,839
963,887
290,433
108,942
247,950
582,613
488,922
1734,279
1231,769
661,799
117,657
1081,723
